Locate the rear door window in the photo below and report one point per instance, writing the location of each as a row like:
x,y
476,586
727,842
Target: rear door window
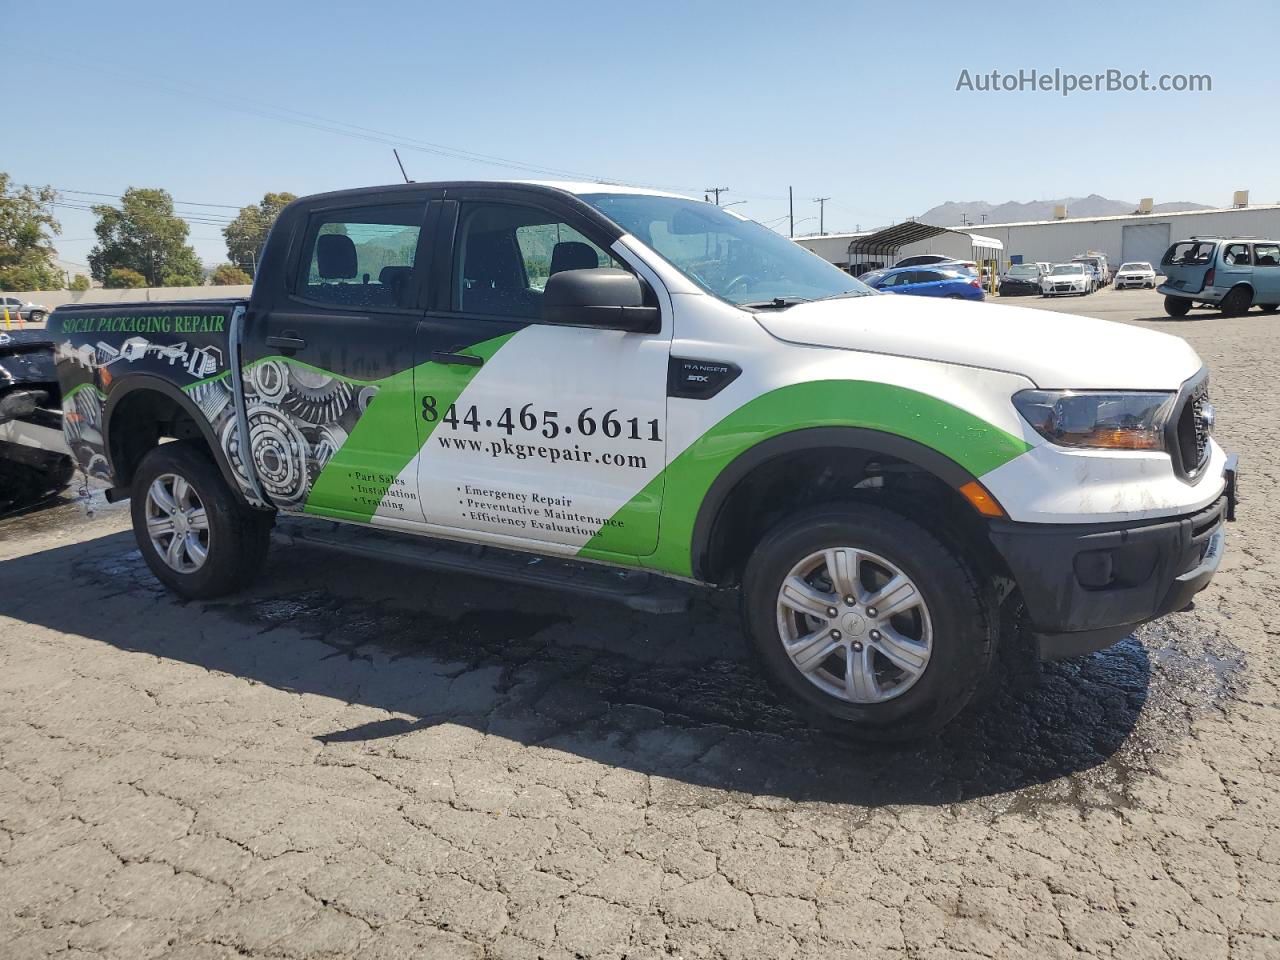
x,y
365,259
1237,254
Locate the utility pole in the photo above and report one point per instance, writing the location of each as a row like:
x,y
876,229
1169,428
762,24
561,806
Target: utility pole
x,y
791,211
821,202
717,191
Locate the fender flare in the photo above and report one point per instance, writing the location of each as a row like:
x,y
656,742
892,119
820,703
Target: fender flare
x,y
702,556
135,382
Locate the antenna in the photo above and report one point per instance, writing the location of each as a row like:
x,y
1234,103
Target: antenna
x,y
401,162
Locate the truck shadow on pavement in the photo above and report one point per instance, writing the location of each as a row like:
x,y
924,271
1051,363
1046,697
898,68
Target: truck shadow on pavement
x,y
675,697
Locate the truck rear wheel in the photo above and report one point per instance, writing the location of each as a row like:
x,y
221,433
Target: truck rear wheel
x,y
1176,306
866,623
195,534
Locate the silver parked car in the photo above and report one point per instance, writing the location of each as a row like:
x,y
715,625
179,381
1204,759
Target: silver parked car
x,y
34,312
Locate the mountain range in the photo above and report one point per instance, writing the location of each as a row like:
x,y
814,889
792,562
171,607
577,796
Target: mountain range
x,y
955,212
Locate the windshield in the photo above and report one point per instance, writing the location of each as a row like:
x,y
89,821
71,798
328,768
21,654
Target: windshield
x,y
1022,270
1135,266
1063,269
734,258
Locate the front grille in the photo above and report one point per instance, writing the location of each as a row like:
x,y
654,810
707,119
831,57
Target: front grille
x,y
1194,428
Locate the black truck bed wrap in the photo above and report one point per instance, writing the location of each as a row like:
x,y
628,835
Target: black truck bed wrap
x,y
103,352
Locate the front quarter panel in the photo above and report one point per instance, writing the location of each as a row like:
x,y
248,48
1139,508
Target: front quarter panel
x,y
961,412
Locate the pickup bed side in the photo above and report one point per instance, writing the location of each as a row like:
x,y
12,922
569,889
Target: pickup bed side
x,y
131,373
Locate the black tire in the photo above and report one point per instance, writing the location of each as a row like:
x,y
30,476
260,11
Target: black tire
x,y
238,535
1176,306
36,316
1237,302
964,624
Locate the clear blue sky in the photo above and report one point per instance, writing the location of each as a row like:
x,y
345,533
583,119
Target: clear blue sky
x,y
849,100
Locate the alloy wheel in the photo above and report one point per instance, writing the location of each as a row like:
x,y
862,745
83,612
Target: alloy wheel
x,y
177,523
854,625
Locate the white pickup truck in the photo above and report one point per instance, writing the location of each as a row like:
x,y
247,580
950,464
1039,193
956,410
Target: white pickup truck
x,y
651,383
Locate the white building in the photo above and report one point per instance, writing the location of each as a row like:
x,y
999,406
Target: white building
x,y
1136,236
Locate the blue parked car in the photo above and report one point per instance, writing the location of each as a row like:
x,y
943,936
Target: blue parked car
x,y
938,281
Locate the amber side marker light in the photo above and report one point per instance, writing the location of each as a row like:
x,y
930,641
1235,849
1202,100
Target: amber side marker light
x,y
982,501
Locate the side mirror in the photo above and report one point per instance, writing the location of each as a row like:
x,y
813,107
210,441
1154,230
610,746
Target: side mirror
x,y
599,297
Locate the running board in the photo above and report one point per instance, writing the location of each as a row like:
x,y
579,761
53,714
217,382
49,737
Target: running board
x,y
637,589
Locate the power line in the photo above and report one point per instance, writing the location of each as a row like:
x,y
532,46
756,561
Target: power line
x,y
117,196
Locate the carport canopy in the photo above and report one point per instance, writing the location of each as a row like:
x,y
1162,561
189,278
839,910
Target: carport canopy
x,y
885,244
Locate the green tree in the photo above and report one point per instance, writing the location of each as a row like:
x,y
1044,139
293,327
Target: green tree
x,y
26,223
119,278
246,234
228,275
144,235
79,282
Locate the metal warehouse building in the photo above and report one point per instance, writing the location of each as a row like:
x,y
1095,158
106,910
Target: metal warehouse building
x,y
1136,236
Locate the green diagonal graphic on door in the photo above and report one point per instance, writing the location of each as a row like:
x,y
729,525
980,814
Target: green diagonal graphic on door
x,y
974,443
389,435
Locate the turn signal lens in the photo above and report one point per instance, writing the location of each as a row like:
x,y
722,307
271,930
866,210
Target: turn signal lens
x,y
981,500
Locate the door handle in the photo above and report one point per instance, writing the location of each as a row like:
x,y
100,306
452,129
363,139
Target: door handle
x,y
439,356
289,341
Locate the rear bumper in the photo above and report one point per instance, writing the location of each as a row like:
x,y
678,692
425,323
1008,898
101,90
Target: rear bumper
x,y
1206,295
1087,586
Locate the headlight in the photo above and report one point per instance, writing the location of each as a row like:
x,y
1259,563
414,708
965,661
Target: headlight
x,y
1116,421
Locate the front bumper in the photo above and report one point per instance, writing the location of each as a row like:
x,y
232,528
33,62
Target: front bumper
x,y
1016,289
1087,586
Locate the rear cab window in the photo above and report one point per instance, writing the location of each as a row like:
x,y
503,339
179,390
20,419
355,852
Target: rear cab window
x,y
365,258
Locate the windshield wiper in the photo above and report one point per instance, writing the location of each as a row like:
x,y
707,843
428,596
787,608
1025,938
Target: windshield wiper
x,y
777,303
847,294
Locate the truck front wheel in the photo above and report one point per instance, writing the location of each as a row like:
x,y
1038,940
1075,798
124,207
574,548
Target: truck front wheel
x,y
197,537
866,623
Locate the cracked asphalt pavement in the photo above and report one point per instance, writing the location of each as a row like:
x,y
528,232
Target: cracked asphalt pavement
x,y
355,759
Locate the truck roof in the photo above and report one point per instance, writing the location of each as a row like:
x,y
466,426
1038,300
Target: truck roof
x,y
575,187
